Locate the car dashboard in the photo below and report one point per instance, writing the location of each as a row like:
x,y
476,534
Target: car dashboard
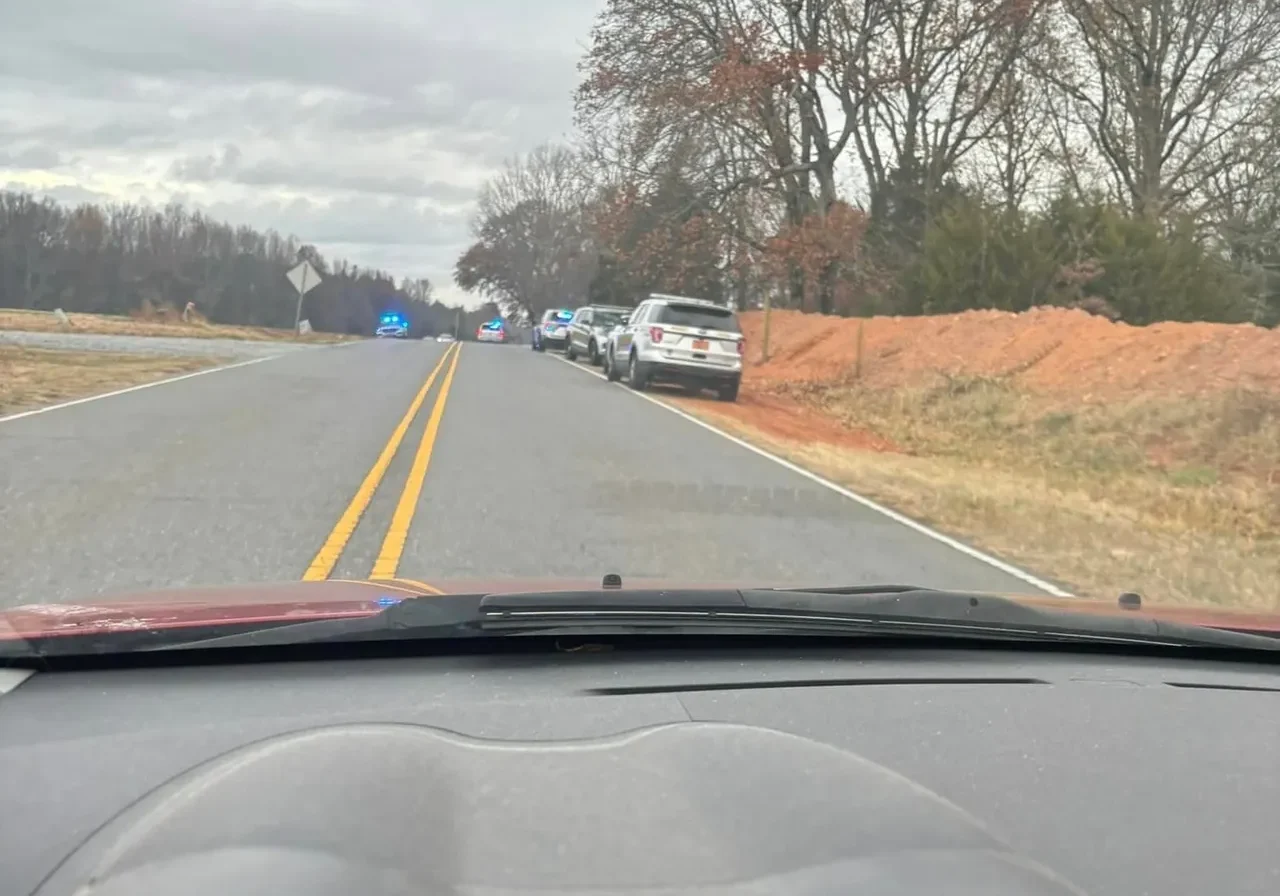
x,y
735,771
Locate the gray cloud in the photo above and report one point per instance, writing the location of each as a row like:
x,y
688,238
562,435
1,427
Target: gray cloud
x,y
228,166
70,195
32,157
356,219
365,125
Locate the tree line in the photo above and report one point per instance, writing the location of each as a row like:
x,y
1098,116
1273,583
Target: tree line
x,y
921,156
117,259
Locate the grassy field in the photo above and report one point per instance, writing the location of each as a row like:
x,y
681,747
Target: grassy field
x,y
1177,498
45,322
34,377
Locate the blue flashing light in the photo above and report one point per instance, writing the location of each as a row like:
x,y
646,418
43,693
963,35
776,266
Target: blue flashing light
x,y
388,601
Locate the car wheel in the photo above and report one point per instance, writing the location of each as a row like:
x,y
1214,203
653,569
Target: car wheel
x,y
569,351
611,368
593,353
729,392
635,377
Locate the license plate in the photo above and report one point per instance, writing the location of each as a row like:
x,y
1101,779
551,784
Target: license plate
x,y
701,345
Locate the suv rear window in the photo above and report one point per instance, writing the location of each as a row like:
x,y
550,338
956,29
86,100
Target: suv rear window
x,y
607,318
698,316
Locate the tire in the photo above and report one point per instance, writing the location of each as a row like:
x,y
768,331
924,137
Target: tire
x,y
569,351
729,391
611,369
635,376
593,353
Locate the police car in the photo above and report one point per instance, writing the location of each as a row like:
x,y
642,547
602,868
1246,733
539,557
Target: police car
x,y
553,330
392,326
492,331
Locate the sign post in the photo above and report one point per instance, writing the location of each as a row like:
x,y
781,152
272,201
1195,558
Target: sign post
x,y
304,279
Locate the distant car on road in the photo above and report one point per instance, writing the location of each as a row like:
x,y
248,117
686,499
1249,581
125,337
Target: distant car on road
x,y
392,326
590,328
553,330
492,331
445,337
673,339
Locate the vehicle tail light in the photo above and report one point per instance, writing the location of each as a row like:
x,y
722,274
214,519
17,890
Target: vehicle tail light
x,y
655,333
742,346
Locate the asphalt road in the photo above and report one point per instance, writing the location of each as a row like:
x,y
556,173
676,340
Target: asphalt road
x,y
536,468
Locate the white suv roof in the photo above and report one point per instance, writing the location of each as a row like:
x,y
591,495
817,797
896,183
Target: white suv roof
x,y
684,300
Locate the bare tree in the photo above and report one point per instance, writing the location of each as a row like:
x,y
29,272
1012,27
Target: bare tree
x,y
939,78
1169,92
532,249
1019,155
750,80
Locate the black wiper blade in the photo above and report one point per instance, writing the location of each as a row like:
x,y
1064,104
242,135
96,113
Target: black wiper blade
x,y
887,610
858,589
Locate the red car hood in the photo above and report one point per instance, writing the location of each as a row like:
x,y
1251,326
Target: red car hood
x,y
297,601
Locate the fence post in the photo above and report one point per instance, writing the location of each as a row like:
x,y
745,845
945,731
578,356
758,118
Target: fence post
x,y
764,335
857,367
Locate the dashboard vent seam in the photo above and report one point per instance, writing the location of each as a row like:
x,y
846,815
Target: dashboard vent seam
x,y
800,683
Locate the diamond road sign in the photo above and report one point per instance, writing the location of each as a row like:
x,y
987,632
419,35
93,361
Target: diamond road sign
x,y
304,278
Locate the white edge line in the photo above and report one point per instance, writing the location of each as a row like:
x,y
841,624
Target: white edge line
x,y
139,387
967,550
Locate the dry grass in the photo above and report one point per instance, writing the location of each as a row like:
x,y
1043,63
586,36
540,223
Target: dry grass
x,y
1177,498
46,322
34,377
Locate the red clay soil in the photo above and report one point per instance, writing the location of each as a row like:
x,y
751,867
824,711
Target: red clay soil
x,y
787,420
1051,351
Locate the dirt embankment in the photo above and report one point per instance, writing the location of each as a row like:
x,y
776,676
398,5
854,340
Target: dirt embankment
x,y
1104,456
1051,351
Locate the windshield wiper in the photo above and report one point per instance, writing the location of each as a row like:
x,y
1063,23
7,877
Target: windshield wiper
x,y
894,611
890,611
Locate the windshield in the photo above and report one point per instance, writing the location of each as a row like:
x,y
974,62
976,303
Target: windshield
x,y
989,294
699,317
607,319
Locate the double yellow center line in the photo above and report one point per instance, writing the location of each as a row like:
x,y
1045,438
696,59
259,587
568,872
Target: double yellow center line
x,y
388,561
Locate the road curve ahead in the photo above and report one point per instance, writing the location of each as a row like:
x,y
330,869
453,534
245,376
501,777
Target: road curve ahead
x,y
422,461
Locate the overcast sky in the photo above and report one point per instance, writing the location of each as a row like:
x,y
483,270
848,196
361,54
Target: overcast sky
x,y
362,127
